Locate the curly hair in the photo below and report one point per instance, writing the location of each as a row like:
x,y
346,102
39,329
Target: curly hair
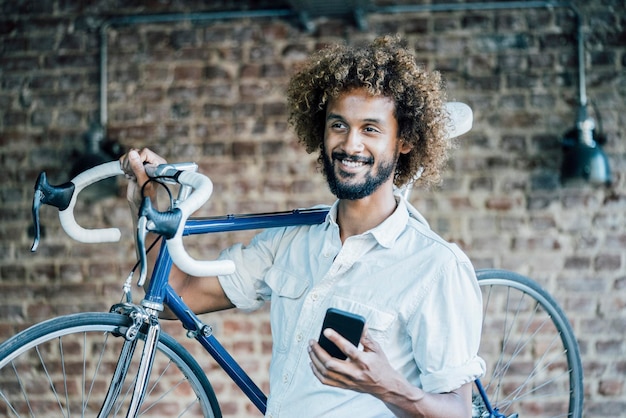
x,y
384,68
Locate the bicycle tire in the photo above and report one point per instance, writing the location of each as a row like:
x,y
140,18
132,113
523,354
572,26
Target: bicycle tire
x,y
533,360
63,366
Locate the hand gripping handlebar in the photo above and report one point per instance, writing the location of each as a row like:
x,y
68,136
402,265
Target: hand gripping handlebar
x,y
64,198
202,189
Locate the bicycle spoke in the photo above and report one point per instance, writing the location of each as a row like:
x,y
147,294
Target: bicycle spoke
x,y
520,393
85,396
507,331
163,395
96,370
187,409
127,394
537,371
67,400
50,381
84,349
22,390
6,400
520,345
530,350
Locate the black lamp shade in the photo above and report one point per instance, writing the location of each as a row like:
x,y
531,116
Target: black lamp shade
x,y
585,162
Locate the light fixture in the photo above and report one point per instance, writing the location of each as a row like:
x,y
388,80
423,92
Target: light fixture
x,y
583,157
309,9
97,151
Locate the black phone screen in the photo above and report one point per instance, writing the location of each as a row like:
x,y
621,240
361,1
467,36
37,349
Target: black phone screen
x,y
348,324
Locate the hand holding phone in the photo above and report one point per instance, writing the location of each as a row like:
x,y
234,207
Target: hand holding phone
x,y
347,324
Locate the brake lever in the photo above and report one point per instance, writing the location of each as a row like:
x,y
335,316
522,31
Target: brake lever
x,y
38,196
57,196
151,220
142,231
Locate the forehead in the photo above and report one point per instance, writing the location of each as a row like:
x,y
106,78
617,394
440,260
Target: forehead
x,y
359,102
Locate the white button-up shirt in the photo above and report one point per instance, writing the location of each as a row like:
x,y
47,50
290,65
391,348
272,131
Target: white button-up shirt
x,y
418,294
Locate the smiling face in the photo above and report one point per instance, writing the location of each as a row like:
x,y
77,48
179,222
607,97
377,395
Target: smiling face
x,y
361,144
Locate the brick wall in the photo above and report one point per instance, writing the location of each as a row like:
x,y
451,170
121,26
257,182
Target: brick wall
x,y
213,92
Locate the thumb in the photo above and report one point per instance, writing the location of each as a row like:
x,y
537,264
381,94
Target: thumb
x,y
368,343
136,164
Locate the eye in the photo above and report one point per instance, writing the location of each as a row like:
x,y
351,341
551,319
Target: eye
x,y
338,125
371,129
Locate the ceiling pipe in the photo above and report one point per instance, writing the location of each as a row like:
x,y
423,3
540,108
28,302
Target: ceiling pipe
x,y
573,165
166,18
289,13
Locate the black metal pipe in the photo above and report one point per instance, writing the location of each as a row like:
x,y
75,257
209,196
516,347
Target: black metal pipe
x,y
284,13
451,7
167,18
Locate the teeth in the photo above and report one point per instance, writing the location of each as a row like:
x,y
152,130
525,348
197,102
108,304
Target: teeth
x,y
351,163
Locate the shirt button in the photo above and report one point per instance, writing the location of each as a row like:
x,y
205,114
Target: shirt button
x,y
299,337
314,296
285,378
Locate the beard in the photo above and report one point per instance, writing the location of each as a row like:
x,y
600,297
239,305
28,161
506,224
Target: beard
x,y
345,189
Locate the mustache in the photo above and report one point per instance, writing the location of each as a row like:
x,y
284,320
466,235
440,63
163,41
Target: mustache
x,y
340,155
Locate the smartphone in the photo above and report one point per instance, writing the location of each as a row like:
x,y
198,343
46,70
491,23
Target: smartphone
x,y
348,324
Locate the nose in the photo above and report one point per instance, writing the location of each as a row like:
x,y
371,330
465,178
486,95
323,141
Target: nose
x,y
353,143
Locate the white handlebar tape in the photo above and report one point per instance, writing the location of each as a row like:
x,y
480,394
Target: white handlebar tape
x,y
203,187
68,222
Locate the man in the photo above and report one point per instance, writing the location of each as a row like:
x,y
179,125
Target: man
x,y
377,120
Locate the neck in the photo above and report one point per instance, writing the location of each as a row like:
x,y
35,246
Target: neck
x,y
354,217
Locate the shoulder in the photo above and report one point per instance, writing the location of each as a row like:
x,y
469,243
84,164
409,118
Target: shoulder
x,y
302,222
431,238
418,228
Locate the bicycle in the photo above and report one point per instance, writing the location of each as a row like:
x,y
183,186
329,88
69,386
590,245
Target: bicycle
x,y
122,363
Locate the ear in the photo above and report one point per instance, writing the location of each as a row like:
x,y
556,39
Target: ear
x,y
405,147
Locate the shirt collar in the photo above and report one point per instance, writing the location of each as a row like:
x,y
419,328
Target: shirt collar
x,y
388,231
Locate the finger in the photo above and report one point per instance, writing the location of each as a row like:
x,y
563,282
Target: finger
x,y
326,378
318,354
365,331
368,343
342,343
125,165
323,361
150,157
135,162
322,365
316,361
147,156
321,376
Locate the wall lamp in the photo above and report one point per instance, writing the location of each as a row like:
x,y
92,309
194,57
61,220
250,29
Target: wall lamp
x,y
583,157
98,150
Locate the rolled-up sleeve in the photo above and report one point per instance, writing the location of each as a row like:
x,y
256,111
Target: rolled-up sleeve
x,y
448,328
246,287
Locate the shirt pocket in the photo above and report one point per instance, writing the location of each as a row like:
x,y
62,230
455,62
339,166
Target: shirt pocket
x,y
288,291
378,321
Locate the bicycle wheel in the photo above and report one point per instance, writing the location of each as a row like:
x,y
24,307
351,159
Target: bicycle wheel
x,y
533,362
63,367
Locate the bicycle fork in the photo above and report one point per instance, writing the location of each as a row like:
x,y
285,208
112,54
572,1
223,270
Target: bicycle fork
x,y
147,321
